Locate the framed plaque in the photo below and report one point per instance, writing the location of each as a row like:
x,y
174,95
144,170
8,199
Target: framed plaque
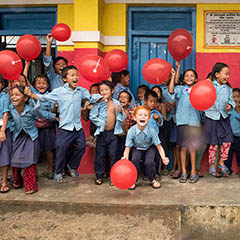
x,y
221,29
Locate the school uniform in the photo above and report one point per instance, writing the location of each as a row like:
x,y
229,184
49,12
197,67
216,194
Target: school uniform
x,y
70,126
142,144
107,140
5,147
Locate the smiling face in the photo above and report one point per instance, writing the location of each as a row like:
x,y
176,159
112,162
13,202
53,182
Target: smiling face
x,y
189,78
72,78
236,97
17,97
59,66
125,80
140,93
223,76
142,117
41,84
124,99
105,91
151,102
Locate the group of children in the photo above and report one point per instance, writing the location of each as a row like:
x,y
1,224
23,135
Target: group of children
x,y
45,116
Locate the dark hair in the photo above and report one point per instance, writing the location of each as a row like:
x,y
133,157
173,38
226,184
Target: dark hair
x,y
218,68
124,72
41,76
150,93
106,82
25,78
93,85
192,70
116,77
145,87
66,69
3,81
209,76
55,60
156,86
129,95
236,90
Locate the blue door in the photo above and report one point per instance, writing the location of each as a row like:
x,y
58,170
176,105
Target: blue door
x,y
148,31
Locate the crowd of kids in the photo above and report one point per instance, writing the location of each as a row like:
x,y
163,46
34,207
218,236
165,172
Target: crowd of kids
x,y
157,129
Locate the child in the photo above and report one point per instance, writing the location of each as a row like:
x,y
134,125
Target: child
x,y
54,67
25,148
69,99
217,127
141,90
235,124
188,123
5,137
45,124
123,85
107,116
141,138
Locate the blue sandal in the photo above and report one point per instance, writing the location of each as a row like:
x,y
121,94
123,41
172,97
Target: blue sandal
x,y
214,173
193,178
73,172
224,170
183,178
58,178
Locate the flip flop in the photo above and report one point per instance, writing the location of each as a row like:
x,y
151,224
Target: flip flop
x,y
4,187
154,183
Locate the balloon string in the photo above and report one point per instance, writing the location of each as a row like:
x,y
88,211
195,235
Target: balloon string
x,y
95,69
14,62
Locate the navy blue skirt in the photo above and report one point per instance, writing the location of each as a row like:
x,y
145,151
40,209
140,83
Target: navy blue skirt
x,y
217,131
5,149
47,138
25,152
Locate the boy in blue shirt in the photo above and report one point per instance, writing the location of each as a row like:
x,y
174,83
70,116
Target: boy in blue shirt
x,y
69,99
141,138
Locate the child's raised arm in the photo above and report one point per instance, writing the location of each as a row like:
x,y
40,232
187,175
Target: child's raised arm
x,y
177,73
49,44
171,84
25,71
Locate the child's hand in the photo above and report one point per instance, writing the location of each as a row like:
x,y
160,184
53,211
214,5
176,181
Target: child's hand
x,y
27,91
57,119
228,107
2,136
27,63
177,64
119,109
49,38
165,160
173,72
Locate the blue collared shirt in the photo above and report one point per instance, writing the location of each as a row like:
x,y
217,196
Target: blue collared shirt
x,y
186,114
142,139
224,97
98,116
4,103
119,88
25,121
154,123
54,78
235,122
69,105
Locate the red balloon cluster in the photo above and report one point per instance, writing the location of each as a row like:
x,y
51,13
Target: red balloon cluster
x,y
123,174
203,95
117,60
156,71
180,44
10,65
61,32
28,47
93,68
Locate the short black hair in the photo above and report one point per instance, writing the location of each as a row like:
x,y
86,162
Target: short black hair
x,y
150,93
236,90
145,87
106,82
129,95
66,69
3,81
55,60
124,72
93,85
40,76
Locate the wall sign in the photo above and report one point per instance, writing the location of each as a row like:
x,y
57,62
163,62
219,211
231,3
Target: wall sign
x,y
222,29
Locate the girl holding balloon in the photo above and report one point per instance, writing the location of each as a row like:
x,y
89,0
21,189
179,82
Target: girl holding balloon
x,y
188,123
217,128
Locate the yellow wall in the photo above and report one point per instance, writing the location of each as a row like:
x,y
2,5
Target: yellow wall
x,y
200,26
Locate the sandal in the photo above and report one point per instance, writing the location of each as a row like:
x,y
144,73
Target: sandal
x,y
171,173
4,189
15,186
133,187
73,172
155,184
111,184
224,170
164,172
176,174
214,173
158,177
50,175
58,178
193,178
183,178
98,181
29,192
200,175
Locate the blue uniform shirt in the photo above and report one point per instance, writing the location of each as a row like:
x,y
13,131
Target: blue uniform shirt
x,y
235,122
224,97
98,116
25,121
186,114
54,78
154,123
141,139
69,105
119,88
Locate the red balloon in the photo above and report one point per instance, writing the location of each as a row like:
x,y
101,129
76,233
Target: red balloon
x,y
28,47
156,71
10,65
180,44
93,68
117,60
61,32
203,95
123,174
